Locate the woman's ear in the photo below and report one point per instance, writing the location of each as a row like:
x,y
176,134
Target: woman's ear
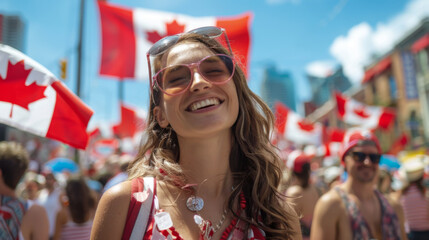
x,y
160,117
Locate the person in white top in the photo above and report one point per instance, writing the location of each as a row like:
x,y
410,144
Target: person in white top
x,y
49,198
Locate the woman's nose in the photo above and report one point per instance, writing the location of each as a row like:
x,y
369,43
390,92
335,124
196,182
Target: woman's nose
x,y
199,82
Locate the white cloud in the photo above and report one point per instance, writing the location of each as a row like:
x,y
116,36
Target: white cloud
x,y
355,50
320,68
278,2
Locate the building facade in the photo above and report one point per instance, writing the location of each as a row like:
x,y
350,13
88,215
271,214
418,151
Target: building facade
x,y
278,86
12,30
323,88
398,80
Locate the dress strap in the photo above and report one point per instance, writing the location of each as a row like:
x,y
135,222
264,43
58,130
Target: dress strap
x,y
141,206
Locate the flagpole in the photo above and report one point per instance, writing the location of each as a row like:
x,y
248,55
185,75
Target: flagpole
x,y
79,61
79,48
121,90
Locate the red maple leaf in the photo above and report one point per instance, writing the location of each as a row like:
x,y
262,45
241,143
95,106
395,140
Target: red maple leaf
x,y
306,126
153,36
361,112
14,90
172,28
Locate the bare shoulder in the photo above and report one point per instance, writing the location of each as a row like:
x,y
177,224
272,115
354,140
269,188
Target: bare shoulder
x,y
115,197
35,210
294,191
393,201
330,199
329,207
36,214
118,193
328,215
35,223
111,213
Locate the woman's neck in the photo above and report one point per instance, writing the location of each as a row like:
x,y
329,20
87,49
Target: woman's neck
x,y
205,162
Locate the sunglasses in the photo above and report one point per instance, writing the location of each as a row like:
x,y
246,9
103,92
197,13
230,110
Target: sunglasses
x,y
176,79
360,157
167,42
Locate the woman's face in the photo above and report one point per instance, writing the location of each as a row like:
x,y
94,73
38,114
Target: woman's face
x,y
204,108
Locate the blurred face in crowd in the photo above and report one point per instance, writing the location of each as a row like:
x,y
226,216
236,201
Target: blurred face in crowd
x,y
32,188
362,163
50,181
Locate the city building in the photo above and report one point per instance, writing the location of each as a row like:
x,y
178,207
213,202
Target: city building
x,y
12,30
398,80
322,88
278,86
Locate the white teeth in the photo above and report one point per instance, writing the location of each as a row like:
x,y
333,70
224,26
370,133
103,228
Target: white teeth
x,y
204,103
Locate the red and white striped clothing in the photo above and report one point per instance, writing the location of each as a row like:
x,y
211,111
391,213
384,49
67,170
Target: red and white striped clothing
x,y
74,231
141,225
415,209
12,211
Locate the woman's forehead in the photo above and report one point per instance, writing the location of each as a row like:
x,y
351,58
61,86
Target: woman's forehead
x,y
185,53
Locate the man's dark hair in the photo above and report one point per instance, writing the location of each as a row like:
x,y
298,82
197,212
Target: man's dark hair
x,y
13,162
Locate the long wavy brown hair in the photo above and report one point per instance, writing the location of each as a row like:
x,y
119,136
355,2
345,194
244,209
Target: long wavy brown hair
x,y
253,160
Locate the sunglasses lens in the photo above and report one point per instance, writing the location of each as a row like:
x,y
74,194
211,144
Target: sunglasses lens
x,y
163,44
360,157
208,31
216,69
174,79
375,158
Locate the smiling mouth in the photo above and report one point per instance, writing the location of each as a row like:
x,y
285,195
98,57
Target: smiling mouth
x,y
204,104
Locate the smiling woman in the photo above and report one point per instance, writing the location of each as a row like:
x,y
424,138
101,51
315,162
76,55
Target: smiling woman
x,y
207,169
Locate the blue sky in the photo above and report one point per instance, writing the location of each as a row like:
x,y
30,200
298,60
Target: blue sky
x,y
298,36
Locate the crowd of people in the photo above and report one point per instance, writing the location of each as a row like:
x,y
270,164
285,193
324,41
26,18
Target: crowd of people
x,y
208,170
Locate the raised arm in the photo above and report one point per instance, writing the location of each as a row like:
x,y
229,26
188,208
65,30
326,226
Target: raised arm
x,y
111,214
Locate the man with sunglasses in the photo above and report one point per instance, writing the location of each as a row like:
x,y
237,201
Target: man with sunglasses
x,y
355,209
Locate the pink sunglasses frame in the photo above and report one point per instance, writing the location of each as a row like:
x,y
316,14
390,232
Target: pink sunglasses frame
x,y
192,67
170,41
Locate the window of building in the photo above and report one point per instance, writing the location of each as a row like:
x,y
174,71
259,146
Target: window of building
x,y
374,93
393,88
423,64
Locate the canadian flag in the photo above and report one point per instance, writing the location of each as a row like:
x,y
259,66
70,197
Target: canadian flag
x,y
334,134
295,128
357,114
34,100
399,144
127,34
132,122
332,149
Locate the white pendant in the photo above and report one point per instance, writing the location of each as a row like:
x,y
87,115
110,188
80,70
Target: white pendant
x,y
163,220
195,203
